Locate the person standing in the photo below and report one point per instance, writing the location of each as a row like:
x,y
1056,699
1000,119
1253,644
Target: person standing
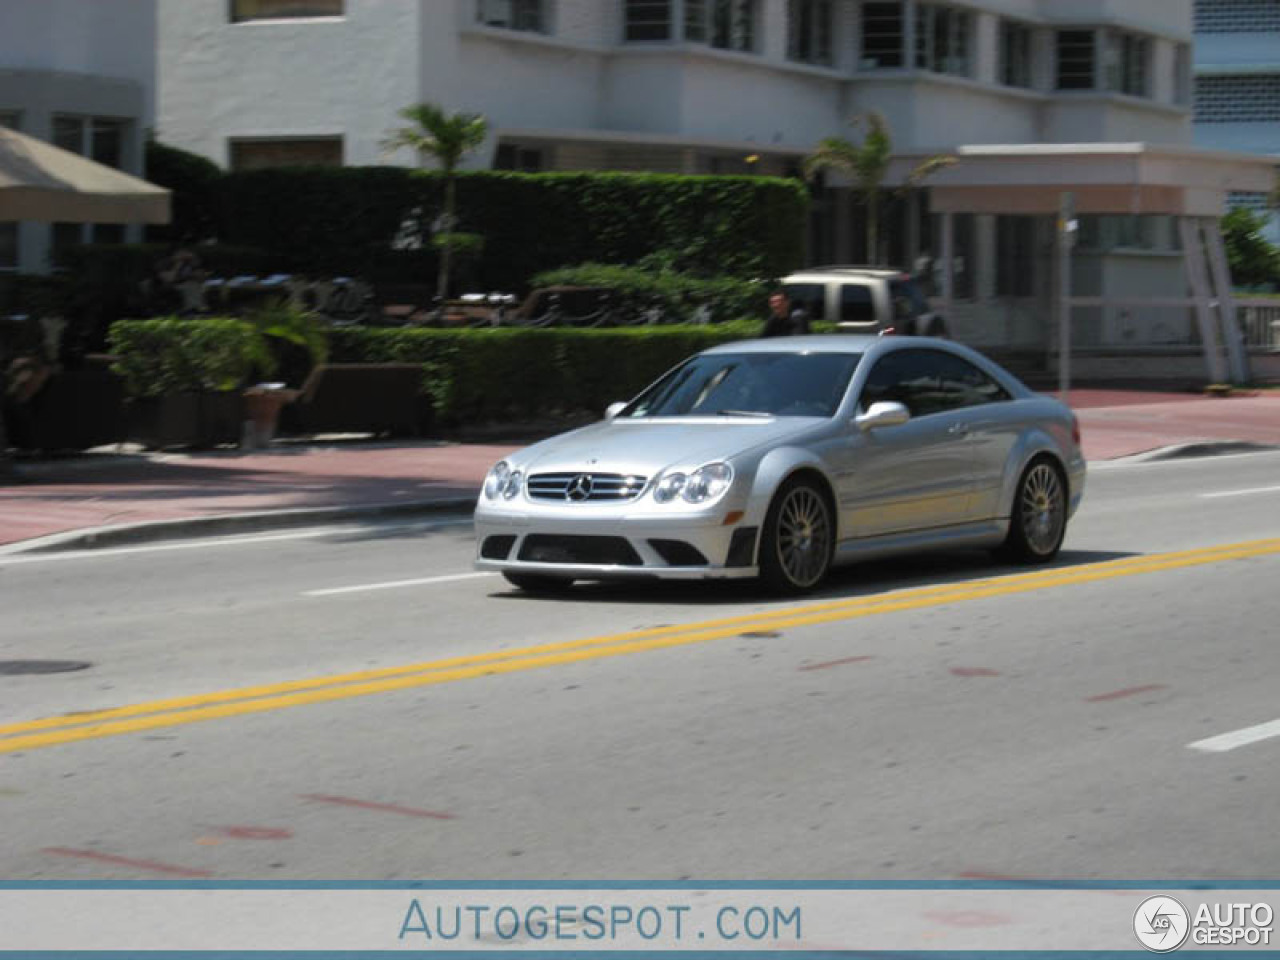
x,y
783,321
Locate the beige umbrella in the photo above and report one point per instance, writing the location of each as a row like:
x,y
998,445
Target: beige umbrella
x,y
39,181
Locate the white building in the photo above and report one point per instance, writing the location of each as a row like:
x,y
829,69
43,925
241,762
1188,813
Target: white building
x,y
82,76
1237,84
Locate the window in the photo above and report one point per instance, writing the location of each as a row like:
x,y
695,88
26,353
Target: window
x,y
942,39
101,139
8,229
1251,98
776,384
1127,59
809,31
648,20
1015,54
1075,60
263,154
1237,16
726,24
929,381
809,297
513,157
245,10
856,304
882,30
1015,256
512,14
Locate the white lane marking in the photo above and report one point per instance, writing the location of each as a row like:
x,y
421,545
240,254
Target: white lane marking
x,y
1237,738
14,559
393,584
1239,493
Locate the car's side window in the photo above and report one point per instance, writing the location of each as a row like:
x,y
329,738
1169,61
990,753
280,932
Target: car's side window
x,y
809,297
929,381
965,384
856,305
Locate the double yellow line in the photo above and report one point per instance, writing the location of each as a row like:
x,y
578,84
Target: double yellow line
x,y
68,728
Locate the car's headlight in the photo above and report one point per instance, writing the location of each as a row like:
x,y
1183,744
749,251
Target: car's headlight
x,y
512,486
496,481
702,486
669,487
708,483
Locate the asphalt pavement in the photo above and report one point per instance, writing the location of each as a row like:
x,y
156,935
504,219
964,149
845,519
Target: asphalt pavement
x,y
353,701
109,499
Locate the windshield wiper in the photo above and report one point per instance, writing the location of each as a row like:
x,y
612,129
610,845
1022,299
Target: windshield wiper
x,y
744,413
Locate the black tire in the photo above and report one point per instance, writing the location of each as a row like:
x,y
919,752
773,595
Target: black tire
x,y
799,538
1038,520
538,583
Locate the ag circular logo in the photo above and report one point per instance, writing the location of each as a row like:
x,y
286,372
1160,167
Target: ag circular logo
x,y
1161,924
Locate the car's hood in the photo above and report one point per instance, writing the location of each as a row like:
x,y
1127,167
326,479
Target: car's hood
x,y
647,446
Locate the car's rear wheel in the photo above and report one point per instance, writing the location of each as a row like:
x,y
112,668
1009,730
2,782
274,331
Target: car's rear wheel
x,y
799,535
538,583
1039,518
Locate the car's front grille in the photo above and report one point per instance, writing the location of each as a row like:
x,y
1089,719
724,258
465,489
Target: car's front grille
x,y
598,551
584,487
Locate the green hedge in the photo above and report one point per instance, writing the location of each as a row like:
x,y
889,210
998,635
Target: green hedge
x,y
172,355
480,375
678,294
194,181
344,220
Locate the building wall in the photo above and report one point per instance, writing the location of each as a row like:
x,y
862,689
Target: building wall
x,y
70,58
1237,66
347,77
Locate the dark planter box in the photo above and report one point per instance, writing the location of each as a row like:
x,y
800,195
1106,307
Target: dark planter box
x,y
187,419
74,410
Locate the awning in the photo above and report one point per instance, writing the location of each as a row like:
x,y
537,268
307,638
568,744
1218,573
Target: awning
x,y
39,181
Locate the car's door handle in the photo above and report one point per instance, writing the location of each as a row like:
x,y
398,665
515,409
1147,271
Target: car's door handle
x,y
958,430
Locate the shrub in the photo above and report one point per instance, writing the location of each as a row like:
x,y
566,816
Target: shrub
x,y
194,181
346,220
476,375
678,294
173,355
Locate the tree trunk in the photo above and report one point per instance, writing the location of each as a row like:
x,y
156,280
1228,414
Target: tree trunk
x,y
446,251
873,227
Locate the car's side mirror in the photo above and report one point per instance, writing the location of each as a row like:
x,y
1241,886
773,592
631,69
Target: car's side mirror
x,y
886,413
613,409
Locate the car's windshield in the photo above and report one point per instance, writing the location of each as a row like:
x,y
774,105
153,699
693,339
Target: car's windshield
x,y
750,385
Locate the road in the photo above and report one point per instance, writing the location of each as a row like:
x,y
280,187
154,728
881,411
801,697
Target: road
x,y
287,706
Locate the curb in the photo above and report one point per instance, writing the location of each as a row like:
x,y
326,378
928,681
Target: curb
x,y
1199,448
160,530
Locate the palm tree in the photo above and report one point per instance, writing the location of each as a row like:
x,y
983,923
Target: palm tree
x,y
446,138
866,164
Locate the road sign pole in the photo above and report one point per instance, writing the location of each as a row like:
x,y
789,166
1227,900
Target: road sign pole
x,y
1066,240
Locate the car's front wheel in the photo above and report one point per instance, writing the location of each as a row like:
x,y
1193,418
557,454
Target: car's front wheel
x,y
1039,518
538,583
799,535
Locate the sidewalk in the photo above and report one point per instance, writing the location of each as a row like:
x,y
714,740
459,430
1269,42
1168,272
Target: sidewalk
x,y
223,492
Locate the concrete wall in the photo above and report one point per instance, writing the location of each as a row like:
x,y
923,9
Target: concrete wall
x,y
277,79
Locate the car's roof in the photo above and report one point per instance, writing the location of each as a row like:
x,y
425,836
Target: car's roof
x,y
828,273
818,343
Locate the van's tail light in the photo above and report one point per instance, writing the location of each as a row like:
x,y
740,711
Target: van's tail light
x,y
1075,431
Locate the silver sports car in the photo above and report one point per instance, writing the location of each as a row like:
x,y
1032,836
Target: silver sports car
x,y
779,458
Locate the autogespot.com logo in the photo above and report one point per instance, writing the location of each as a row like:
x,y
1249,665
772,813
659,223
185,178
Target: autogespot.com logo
x,y
1161,924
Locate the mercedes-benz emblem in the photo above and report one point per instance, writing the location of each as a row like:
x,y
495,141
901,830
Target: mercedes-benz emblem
x,y
579,488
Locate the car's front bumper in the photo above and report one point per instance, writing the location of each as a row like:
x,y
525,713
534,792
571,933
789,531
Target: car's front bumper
x,y
611,543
